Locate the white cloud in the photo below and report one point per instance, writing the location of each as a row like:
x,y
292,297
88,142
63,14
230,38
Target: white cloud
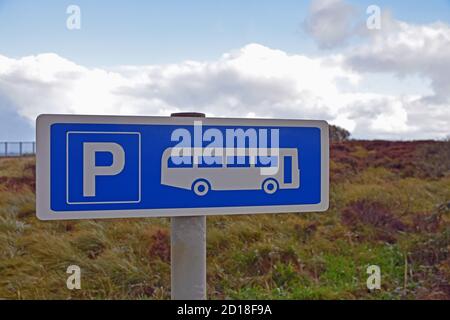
x,y
330,22
47,83
399,51
408,49
254,81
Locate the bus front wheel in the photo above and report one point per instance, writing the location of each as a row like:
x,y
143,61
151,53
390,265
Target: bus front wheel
x,y
270,186
200,187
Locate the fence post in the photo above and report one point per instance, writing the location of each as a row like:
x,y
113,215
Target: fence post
x,y
5,152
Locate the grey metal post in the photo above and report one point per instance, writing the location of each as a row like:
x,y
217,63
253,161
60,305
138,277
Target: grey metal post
x,y
6,149
20,148
188,252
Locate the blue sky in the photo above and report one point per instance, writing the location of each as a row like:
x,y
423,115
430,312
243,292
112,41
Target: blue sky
x,y
250,58
148,32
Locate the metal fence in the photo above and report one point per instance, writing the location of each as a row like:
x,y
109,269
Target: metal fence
x,y
17,149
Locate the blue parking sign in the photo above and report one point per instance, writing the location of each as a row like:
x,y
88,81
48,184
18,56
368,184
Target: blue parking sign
x,y
101,163
119,167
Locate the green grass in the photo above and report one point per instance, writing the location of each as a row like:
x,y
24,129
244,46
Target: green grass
x,y
285,256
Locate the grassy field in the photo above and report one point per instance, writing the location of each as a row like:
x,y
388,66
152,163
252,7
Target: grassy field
x,y
390,206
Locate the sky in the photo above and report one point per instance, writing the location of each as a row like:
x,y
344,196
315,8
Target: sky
x,y
273,59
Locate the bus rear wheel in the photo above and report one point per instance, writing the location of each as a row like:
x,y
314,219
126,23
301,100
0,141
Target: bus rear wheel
x,y
200,187
270,186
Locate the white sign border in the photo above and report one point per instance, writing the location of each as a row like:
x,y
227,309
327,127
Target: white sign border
x,y
43,208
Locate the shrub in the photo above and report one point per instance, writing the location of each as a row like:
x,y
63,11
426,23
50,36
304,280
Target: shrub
x,y
160,246
433,159
338,134
375,216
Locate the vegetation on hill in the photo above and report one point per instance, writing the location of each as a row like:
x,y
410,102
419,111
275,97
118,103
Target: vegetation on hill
x,y
390,206
338,134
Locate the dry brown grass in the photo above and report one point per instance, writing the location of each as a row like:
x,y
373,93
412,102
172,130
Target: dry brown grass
x,y
380,214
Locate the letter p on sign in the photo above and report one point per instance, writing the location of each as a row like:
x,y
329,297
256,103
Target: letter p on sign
x,y
103,167
91,170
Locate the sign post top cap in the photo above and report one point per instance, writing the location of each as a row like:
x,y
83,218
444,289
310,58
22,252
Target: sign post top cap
x,y
188,114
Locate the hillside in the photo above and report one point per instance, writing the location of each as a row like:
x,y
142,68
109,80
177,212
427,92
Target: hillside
x,y
390,206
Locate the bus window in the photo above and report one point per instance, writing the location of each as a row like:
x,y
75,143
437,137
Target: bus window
x,y
180,162
210,162
288,169
266,162
238,161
